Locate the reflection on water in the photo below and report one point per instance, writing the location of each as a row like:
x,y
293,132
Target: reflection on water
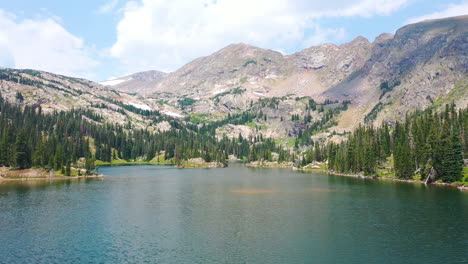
x,y
234,215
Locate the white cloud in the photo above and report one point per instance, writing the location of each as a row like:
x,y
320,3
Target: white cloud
x,y
164,34
108,6
365,8
450,11
320,36
42,44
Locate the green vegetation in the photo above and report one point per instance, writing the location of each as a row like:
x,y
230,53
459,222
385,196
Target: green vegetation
x,y
198,118
249,62
426,144
16,76
154,161
19,97
270,102
238,90
387,86
372,115
187,101
161,102
32,72
235,91
464,181
460,90
62,140
314,127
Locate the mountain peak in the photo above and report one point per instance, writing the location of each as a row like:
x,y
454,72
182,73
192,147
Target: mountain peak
x,y
359,39
384,37
238,47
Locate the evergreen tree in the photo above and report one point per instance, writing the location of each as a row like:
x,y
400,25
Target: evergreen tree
x,y
403,160
22,160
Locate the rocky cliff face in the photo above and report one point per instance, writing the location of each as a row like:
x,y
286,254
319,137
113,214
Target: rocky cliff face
x,y
424,64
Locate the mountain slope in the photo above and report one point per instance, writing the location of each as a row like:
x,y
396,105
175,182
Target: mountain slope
x,y
422,64
326,89
136,83
233,77
61,93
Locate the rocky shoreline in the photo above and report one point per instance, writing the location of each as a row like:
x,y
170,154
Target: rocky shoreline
x,y
7,174
269,164
199,163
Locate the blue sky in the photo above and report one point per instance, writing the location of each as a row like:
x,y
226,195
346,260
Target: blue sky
x,y
103,39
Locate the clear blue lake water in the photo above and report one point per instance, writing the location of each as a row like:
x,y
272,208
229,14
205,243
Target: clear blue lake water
x,y
151,214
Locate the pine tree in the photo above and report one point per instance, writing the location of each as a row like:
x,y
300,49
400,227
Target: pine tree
x,y
4,149
453,159
89,165
39,154
403,161
68,169
22,158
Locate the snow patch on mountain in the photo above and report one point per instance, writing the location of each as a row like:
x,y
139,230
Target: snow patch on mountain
x,y
173,114
141,106
114,82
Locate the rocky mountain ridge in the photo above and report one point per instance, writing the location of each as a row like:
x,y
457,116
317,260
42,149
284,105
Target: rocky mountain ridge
x,y
413,69
54,92
326,90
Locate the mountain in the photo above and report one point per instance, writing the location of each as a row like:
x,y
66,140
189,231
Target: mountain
x,y
232,77
53,92
319,93
135,83
423,64
257,105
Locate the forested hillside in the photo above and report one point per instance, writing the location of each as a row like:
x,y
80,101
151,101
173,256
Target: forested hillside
x,y
427,144
60,140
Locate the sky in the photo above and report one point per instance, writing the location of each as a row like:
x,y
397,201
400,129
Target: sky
x,y
105,39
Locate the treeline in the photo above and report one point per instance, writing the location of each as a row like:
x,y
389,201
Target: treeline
x,y
304,137
60,140
427,143
29,138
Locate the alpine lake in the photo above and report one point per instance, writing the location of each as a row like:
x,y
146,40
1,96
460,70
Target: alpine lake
x,y
160,214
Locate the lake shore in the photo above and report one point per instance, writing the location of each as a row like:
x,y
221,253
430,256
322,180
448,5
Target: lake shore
x,y
456,185
269,164
320,168
199,163
33,174
51,178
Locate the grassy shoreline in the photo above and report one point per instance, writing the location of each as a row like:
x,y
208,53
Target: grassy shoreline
x,y
9,174
137,162
41,174
322,168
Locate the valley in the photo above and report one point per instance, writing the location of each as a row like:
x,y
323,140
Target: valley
x,y
252,104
